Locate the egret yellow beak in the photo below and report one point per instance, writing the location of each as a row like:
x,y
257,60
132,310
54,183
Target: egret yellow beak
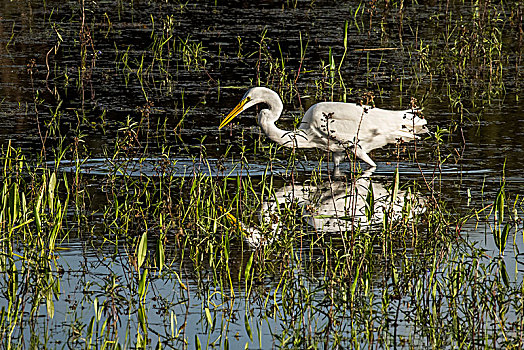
x,y
233,220
236,111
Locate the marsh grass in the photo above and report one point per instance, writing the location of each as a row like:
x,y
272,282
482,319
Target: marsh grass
x,y
306,288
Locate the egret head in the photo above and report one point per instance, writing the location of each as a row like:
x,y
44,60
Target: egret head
x,y
252,97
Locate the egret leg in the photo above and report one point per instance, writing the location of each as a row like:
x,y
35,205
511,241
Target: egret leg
x,y
337,158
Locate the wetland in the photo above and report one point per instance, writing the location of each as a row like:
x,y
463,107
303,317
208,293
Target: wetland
x,y
129,221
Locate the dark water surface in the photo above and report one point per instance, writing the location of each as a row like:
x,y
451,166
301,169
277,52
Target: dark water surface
x,y
139,92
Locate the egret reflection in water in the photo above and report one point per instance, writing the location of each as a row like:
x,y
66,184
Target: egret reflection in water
x,y
334,207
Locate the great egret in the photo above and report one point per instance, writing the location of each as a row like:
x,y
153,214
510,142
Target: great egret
x,y
333,126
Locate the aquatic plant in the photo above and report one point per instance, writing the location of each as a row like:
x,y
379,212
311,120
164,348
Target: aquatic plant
x,y
124,216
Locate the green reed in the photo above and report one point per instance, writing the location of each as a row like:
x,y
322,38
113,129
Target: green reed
x,y
359,278
405,282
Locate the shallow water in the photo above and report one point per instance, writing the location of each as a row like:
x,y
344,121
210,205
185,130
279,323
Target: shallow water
x,y
129,110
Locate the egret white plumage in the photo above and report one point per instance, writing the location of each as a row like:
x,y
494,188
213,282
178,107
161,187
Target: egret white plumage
x,y
333,126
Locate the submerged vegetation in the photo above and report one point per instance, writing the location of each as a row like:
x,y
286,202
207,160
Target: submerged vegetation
x,y
128,221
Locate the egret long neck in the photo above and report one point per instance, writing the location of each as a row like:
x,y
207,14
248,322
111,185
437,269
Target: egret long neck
x,y
287,138
268,117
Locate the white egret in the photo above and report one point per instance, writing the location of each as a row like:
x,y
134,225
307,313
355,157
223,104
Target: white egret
x,y
333,126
